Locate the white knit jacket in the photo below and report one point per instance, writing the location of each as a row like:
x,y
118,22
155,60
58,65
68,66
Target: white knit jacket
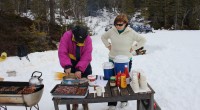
x,y
122,43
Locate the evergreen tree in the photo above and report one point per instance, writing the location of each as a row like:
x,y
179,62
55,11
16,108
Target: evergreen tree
x,y
39,9
156,14
7,5
194,15
129,7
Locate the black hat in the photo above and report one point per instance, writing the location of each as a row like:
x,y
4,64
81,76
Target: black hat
x,y
80,33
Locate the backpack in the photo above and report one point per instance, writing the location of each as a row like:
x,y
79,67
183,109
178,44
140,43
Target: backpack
x,y
22,52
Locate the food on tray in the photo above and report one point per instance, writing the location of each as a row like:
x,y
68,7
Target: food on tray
x,y
27,90
81,91
17,89
66,89
70,90
12,88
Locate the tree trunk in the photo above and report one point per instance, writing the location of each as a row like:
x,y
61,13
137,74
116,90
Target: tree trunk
x,y
182,22
52,12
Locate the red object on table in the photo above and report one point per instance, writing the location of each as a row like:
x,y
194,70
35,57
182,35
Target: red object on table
x,y
118,79
154,105
126,71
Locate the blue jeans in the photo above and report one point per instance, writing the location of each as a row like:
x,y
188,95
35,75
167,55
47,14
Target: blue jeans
x,y
115,103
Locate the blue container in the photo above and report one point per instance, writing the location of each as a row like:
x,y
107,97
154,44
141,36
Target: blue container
x,y
119,63
108,69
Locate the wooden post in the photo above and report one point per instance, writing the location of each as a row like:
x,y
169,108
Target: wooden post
x,y
138,105
151,102
68,106
55,104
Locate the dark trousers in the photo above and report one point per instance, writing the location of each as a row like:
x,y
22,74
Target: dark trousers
x,y
87,72
115,103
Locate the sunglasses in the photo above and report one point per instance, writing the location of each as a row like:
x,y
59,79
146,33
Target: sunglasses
x,y
119,24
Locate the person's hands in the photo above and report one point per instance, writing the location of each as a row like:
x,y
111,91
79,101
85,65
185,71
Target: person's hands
x,y
67,71
109,47
78,74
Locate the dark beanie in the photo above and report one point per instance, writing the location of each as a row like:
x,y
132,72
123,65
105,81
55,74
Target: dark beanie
x,y
80,33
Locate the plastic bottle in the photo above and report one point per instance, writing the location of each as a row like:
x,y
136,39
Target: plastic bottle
x,y
123,80
126,72
118,79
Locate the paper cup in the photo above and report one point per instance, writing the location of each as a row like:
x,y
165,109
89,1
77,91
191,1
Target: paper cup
x,y
99,91
135,79
143,84
142,77
135,86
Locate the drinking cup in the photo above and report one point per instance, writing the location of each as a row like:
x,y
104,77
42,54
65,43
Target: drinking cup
x,y
99,91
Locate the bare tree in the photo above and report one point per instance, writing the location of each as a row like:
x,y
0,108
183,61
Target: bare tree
x,y
52,12
184,17
78,8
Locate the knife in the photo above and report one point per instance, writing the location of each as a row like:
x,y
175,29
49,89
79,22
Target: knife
x,y
119,90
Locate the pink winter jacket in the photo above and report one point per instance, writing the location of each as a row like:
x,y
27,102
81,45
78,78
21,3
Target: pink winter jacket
x,y
67,47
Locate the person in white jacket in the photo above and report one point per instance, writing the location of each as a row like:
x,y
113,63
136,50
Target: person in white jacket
x,y
121,40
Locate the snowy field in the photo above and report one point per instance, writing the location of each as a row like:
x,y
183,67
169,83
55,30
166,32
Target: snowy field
x,y
171,66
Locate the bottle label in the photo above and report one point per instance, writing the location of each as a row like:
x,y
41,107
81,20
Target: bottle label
x,y
123,81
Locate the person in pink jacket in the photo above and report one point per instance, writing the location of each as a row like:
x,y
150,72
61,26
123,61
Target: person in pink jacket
x,y
75,54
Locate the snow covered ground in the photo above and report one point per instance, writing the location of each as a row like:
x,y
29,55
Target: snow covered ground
x,y
171,66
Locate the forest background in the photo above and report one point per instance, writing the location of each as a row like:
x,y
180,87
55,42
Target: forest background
x,y
39,24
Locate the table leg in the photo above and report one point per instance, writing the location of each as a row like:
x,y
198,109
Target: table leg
x,y
138,105
56,105
68,106
151,102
